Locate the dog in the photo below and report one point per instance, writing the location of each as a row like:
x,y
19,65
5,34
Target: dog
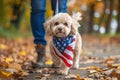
x,y
66,43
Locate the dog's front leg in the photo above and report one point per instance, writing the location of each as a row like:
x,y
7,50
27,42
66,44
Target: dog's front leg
x,y
76,59
77,53
55,59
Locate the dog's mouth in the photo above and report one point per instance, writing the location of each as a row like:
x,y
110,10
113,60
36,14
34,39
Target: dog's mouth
x,y
60,34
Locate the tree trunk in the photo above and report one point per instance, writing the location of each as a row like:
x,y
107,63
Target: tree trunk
x,y
109,16
18,12
85,21
91,20
118,28
2,12
103,15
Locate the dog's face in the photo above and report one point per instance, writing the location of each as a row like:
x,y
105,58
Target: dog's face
x,y
60,25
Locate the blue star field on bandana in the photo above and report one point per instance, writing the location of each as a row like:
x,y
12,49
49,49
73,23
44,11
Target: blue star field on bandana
x,y
62,43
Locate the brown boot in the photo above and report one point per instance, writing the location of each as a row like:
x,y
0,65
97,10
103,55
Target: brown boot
x,y
40,63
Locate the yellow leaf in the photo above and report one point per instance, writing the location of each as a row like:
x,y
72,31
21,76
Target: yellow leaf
x,y
3,46
78,77
118,67
9,59
22,53
49,62
5,74
20,40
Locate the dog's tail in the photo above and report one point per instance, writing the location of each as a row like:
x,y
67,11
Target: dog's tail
x,y
77,16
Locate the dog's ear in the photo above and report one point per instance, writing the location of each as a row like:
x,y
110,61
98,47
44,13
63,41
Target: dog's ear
x,y
47,26
75,24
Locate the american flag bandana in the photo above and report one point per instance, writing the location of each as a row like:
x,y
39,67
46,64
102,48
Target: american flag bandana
x,y
64,48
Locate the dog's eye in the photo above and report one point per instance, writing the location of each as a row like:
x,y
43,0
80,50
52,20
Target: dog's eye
x,y
56,23
65,24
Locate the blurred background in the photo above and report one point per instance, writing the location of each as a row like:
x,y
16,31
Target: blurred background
x,y
100,29
99,16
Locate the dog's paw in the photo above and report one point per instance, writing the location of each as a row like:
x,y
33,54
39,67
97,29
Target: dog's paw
x,y
62,72
75,66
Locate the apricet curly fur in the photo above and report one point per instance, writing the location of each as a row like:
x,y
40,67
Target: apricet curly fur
x,y
62,25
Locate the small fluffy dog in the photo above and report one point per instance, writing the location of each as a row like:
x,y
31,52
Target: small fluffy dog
x,y
65,46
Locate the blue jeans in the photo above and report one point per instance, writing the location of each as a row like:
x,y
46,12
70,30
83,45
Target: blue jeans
x,y
38,18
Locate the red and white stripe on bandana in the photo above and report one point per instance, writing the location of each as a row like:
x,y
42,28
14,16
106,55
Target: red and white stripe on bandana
x,y
64,48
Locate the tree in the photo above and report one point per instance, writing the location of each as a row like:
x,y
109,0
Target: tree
x,y
2,12
88,16
103,15
91,20
109,16
18,12
118,28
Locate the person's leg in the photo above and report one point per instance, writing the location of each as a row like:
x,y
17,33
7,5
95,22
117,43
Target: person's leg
x,y
37,20
62,5
38,8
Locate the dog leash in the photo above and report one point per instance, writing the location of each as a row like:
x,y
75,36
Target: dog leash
x,y
57,7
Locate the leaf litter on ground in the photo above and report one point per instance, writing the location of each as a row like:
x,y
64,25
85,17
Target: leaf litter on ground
x,y
17,55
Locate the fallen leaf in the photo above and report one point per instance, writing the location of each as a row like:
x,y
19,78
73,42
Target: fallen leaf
x,y
40,77
39,71
19,40
22,53
43,76
109,60
115,78
49,62
118,67
71,76
11,70
94,68
24,73
4,64
5,74
88,79
115,73
15,66
9,59
46,70
113,65
78,77
92,71
108,72
3,46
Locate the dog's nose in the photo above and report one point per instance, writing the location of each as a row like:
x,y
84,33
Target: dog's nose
x,y
60,29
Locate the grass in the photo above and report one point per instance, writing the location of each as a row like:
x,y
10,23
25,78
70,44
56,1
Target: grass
x,y
13,33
